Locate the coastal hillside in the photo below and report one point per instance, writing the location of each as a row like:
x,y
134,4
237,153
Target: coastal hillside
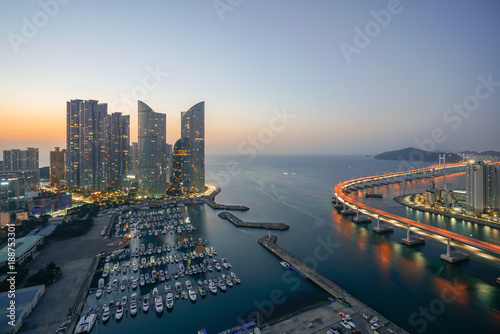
x,y
416,154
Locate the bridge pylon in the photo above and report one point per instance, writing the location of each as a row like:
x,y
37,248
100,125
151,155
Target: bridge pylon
x,y
381,227
452,255
412,239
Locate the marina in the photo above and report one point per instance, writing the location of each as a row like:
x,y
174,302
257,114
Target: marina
x,y
161,266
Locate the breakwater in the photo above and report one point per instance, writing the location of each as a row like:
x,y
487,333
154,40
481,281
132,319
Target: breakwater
x,y
269,242
210,200
238,222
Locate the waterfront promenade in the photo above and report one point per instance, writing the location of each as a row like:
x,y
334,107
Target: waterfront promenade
x,y
356,308
210,200
239,223
401,200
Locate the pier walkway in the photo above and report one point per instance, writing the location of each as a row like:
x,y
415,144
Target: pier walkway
x,y
354,305
210,200
238,222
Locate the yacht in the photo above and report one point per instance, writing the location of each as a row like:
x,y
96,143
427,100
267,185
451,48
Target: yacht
x,y
178,287
133,308
105,313
158,304
167,288
145,304
124,300
119,312
155,292
235,278
229,282
98,293
212,287
217,266
170,300
373,320
221,284
345,324
285,264
192,294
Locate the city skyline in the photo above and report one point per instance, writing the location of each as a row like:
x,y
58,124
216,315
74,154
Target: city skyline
x,y
317,62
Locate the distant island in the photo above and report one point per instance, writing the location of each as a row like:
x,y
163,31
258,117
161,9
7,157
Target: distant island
x,y
416,154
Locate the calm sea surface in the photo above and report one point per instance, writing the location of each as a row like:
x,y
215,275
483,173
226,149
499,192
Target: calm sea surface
x,y
410,286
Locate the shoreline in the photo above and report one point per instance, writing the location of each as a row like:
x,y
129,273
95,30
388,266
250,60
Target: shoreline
x,y
399,200
239,223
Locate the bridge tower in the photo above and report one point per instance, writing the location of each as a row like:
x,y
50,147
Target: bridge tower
x,y
411,239
442,159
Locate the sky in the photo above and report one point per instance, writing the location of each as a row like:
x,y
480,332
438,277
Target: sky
x,y
277,77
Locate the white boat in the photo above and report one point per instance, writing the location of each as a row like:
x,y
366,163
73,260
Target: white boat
x,y
105,313
86,323
345,324
167,288
100,285
119,312
98,293
145,304
285,264
124,300
192,295
133,309
178,287
373,320
212,287
170,300
155,292
221,285
375,325
158,304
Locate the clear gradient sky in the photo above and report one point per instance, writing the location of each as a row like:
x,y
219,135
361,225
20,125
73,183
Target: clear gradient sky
x,y
263,55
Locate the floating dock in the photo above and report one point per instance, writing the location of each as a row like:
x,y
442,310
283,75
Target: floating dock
x,y
210,200
238,222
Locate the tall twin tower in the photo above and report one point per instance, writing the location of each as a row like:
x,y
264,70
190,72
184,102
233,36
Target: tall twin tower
x,y
188,156
99,155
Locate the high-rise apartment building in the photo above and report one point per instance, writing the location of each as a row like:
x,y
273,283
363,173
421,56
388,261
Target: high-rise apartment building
x,y
134,159
24,163
98,146
117,159
188,166
152,146
57,166
86,144
482,187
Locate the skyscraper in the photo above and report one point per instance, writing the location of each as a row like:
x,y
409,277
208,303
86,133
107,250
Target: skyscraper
x,y
117,159
23,163
152,150
86,144
181,166
482,187
57,166
193,130
134,159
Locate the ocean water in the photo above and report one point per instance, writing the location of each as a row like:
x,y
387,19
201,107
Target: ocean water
x,y
410,286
